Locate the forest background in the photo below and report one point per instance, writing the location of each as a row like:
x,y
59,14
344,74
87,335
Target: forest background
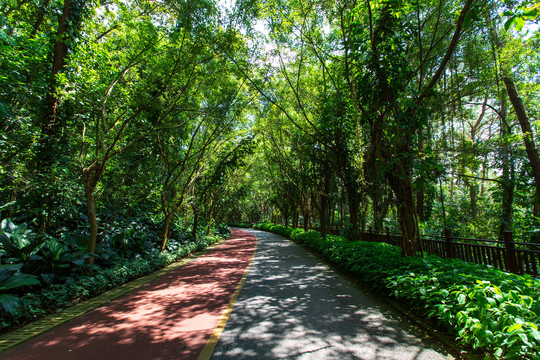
x,y
128,126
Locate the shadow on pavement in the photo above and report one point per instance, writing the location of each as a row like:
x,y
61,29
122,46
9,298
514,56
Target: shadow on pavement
x,y
294,307
168,318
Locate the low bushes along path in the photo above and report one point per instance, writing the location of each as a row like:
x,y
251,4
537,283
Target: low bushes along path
x,y
290,307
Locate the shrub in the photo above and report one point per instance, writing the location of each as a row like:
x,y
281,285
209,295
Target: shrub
x,y
57,296
263,226
489,310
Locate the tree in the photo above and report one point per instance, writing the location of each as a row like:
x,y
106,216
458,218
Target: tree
x,y
141,89
395,97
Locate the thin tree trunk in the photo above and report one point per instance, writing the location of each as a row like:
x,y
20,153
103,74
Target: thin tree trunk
x,y
195,222
92,218
91,176
508,185
210,215
420,192
165,231
323,215
306,220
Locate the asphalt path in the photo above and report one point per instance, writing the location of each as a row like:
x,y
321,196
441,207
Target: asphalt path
x,y
293,306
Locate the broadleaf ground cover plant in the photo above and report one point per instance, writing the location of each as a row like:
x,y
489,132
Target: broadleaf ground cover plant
x,y
493,312
124,264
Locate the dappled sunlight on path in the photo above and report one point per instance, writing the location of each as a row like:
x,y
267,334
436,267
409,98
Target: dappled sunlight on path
x,y
168,318
294,307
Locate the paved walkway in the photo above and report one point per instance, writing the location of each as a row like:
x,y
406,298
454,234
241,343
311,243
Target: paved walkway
x,y
294,307
291,307
169,318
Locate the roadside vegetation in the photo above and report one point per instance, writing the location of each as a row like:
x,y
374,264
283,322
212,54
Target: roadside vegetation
x,y
130,129
497,314
42,275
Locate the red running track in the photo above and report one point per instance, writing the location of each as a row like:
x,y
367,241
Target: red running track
x,y
169,318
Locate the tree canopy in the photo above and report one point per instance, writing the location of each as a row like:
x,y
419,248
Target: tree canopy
x,y
407,115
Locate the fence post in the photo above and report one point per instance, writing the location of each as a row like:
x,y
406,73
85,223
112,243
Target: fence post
x,y
370,234
450,248
510,252
388,238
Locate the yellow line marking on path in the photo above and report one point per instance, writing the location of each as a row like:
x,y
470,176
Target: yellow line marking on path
x,y
216,334
45,324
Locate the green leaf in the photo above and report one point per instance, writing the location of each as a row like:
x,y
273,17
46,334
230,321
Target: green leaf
x,y
514,327
535,334
17,281
524,338
462,299
530,13
519,23
489,336
527,300
509,23
471,16
9,302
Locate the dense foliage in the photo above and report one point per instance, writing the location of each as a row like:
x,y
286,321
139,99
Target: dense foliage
x,y
129,127
491,311
417,116
121,123
132,251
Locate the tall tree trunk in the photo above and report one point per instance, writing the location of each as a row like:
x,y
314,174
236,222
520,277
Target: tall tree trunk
x,y
322,215
380,207
507,191
508,185
324,198
49,139
528,139
295,216
59,59
306,211
210,216
420,185
402,186
314,207
353,211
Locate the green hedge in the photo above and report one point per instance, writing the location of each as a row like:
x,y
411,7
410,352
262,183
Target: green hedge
x,y
493,312
59,296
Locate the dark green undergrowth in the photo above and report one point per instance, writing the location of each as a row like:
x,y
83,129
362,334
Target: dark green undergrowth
x,y
493,312
59,296
240,225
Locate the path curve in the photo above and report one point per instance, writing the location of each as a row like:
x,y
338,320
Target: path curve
x,y
169,318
